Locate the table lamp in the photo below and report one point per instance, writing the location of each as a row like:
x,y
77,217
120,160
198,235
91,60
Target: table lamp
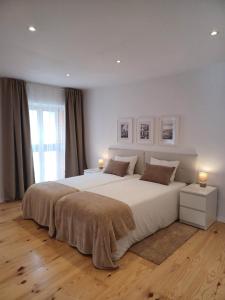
x,y
101,163
202,178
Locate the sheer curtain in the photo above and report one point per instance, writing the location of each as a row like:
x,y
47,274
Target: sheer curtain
x,y
47,122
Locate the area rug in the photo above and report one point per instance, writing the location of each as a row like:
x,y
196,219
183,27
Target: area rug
x,y
160,245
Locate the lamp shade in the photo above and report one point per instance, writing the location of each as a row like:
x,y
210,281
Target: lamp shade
x,y
203,178
101,163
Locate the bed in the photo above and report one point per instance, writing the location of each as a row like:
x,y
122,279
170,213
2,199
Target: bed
x,y
153,206
40,199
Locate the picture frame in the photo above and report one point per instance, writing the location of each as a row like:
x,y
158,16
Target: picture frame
x,y
168,130
125,131
145,130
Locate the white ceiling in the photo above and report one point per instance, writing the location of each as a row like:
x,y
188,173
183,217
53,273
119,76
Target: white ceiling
x,y
152,38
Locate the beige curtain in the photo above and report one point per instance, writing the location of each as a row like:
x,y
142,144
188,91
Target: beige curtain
x,y
16,159
75,161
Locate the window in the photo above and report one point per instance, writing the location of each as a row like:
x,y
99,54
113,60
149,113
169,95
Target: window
x,y
47,123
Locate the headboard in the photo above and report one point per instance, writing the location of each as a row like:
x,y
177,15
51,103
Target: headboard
x,y
186,171
140,165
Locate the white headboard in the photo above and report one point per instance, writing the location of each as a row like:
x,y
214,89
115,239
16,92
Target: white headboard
x,y
186,171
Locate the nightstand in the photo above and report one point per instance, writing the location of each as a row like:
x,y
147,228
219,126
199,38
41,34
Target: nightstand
x,y
198,205
92,171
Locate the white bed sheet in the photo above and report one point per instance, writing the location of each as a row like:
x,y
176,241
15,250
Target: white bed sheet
x,y
154,206
92,180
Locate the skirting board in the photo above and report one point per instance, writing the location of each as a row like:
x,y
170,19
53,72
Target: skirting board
x,y
221,219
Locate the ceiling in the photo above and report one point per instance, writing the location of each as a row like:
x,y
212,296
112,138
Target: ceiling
x,y
152,38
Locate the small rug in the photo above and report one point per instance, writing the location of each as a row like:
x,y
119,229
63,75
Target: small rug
x,y
160,245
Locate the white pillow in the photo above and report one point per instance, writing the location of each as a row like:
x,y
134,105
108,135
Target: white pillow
x,y
132,162
166,163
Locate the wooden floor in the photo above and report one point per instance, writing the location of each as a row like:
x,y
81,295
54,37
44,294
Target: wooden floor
x,y
33,266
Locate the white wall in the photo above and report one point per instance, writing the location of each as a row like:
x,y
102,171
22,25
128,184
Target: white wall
x,y
197,96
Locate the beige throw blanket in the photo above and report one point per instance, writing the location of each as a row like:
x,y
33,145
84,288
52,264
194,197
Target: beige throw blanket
x,y
92,223
39,202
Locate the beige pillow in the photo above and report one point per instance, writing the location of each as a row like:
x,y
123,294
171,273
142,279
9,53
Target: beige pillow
x,y
118,168
166,163
132,162
157,174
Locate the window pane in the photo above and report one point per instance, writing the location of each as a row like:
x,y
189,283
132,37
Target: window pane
x,y
49,127
48,141
50,165
34,127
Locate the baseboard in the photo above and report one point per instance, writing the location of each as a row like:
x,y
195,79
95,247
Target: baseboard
x,y
221,219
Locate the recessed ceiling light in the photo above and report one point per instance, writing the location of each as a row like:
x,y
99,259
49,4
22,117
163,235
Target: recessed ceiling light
x,y
214,33
118,61
67,74
32,28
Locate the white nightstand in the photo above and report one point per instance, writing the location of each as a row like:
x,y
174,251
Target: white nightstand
x,y
92,171
198,205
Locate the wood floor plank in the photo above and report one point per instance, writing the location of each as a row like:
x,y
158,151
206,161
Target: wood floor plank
x,y
34,266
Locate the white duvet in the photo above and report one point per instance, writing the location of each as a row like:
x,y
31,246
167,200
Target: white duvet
x,y
154,206
92,180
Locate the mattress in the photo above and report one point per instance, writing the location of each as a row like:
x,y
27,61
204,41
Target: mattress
x,y
154,206
92,180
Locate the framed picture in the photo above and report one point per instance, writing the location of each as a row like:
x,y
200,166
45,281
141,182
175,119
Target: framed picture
x,y
125,130
145,130
168,130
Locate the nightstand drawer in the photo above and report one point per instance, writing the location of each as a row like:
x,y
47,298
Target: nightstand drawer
x,y
193,216
193,201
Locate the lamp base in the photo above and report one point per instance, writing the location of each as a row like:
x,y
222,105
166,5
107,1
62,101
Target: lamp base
x,y
203,185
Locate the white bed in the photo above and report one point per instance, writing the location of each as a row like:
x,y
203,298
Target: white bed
x,y
154,206
40,199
